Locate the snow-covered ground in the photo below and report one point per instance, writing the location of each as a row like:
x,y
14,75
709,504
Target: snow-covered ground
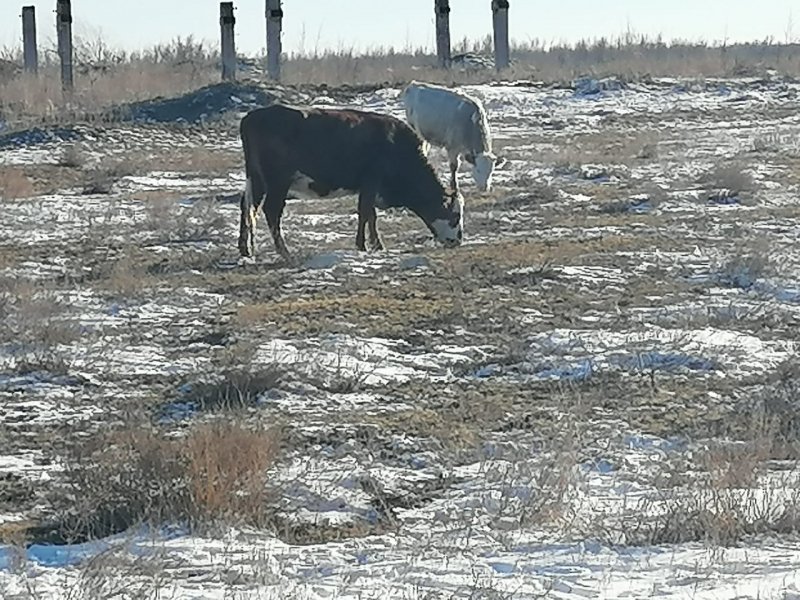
x,y
556,409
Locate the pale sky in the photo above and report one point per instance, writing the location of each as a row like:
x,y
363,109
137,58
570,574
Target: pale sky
x,y
367,23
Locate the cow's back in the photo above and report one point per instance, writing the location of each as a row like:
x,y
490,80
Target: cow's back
x,y
339,147
446,118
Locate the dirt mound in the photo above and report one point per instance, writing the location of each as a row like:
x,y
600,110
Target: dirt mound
x,y
39,135
207,103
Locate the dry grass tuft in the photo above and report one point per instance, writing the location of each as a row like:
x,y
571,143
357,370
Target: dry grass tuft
x,y
214,473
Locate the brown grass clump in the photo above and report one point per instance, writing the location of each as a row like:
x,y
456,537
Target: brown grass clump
x,y
14,183
214,473
226,469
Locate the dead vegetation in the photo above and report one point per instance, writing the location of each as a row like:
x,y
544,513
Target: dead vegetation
x,y
15,184
35,327
108,77
105,78
233,389
727,179
214,473
388,314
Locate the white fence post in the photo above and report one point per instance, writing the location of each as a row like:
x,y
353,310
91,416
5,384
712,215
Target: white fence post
x,y
64,32
500,26
228,49
442,9
274,48
29,49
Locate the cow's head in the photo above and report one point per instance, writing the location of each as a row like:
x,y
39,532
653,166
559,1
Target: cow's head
x,y
483,166
448,226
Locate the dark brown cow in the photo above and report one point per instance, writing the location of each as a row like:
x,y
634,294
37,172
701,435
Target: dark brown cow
x,y
330,152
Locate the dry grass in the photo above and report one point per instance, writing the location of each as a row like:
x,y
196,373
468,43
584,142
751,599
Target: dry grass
x,y
124,277
106,77
14,183
226,469
323,311
170,221
196,159
610,146
214,473
744,267
234,388
630,56
34,324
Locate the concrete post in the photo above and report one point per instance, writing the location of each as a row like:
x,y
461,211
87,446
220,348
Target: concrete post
x,y
500,27
64,32
442,10
228,49
274,47
30,51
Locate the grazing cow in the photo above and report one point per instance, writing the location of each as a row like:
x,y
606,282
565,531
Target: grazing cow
x,y
331,152
456,122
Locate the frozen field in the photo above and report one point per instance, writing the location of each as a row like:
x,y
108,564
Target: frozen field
x,y
596,396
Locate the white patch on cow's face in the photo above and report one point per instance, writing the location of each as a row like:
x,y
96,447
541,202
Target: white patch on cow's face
x,y
450,232
482,171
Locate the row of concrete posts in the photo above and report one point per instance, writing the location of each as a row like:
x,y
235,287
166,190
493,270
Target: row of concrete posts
x,y
227,20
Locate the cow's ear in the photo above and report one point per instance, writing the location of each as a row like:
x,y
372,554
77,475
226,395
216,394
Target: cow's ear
x,y
470,158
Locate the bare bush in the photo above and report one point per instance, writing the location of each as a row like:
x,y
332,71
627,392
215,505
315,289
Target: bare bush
x,y
730,178
73,156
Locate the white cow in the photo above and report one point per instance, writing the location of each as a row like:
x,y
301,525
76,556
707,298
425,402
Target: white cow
x,y
456,122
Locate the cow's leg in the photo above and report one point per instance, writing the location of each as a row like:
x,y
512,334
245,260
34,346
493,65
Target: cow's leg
x,y
273,209
374,237
455,163
249,202
366,210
